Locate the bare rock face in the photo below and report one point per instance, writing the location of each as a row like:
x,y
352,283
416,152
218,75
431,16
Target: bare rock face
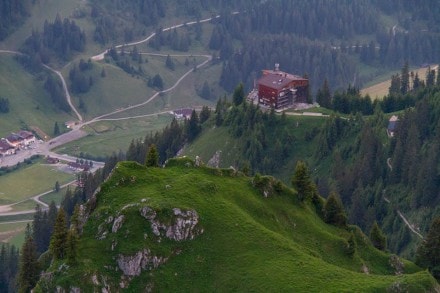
x,y
117,224
396,264
133,265
215,160
184,224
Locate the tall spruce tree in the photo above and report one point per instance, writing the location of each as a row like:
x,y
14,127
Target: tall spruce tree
x,y
404,80
428,253
238,96
323,96
301,180
378,239
29,270
193,126
334,211
58,241
152,157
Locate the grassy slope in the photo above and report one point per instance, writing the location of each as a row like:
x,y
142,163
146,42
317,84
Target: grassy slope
x,y
31,180
250,243
108,137
378,88
29,104
217,138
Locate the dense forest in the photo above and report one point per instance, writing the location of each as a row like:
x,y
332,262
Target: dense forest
x,y
316,38
60,39
12,14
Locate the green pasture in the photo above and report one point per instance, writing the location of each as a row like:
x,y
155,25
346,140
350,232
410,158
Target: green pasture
x,y
56,197
108,137
29,181
30,105
13,233
249,243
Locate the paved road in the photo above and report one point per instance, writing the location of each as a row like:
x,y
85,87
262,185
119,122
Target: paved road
x,y
45,148
35,198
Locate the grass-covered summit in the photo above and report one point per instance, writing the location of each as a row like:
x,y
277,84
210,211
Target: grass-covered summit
x,y
188,228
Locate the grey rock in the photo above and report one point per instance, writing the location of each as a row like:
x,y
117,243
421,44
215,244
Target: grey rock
x,y
117,224
142,260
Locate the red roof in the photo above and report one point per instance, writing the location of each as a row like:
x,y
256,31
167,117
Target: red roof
x,y
13,138
25,134
277,79
4,146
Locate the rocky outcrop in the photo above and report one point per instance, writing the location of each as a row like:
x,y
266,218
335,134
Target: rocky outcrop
x,y
396,264
184,224
143,260
117,224
215,160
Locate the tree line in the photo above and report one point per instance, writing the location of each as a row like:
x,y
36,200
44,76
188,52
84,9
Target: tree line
x,y
12,14
61,39
4,105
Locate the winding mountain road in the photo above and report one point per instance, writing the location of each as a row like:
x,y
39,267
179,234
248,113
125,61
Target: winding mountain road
x,y
76,132
66,92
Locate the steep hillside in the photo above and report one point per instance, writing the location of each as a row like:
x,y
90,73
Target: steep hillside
x,y
188,228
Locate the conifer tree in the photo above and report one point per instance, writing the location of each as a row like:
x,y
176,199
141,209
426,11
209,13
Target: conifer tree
x,y
334,211
301,180
428,253
193,127
58,241
152,157
204,114
323,97
404,83
350,248
56,129
238,96
378,239
170,63
29,270
72,246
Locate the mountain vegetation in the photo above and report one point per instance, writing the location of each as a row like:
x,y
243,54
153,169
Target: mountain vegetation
x,y
352,155
9,259
219,230
12,14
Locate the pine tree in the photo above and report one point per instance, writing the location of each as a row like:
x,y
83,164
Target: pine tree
x,y
193,127
56,129
3,263
323,97
428,253
350,248
238,96
204,114
72,246
205,93
301,180
404,80
29,271
378,239
334,211
170,63
152,157
58,241
57,187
